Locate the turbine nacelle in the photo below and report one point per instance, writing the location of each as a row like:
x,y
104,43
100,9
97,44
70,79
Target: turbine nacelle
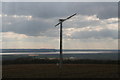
x,y
61,20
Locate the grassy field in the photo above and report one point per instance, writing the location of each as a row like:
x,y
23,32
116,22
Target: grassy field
x,y
67,71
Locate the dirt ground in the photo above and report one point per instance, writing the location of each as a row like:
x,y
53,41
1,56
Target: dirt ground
x,y
67,71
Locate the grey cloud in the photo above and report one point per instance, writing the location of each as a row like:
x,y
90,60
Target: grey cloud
x,y
59,9
52,32
106,33
80,24
31,28
54,10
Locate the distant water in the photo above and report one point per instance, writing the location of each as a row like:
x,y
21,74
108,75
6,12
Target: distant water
x,y
88,54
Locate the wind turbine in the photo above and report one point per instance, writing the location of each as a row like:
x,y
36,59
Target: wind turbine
x,y
60,23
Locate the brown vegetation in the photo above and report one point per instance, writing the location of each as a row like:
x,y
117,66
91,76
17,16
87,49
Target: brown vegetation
x,y
67,71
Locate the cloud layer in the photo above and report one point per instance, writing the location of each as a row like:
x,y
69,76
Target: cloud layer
x,y
80,26
60,9
29,23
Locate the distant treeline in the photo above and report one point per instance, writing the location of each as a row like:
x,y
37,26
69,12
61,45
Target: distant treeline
x,y
27,50
55,61
50,50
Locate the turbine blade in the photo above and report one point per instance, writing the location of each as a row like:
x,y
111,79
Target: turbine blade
x,y
71,16
57,24
62,20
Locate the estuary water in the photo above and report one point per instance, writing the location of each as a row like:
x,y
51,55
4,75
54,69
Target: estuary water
x,y
72,54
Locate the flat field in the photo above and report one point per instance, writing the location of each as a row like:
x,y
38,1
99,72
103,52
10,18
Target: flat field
x,y
67,71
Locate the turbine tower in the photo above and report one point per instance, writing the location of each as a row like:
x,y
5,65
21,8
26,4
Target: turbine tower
x,y
60,23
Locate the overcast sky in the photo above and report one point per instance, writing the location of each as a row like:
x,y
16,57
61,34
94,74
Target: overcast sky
x,y
31,25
